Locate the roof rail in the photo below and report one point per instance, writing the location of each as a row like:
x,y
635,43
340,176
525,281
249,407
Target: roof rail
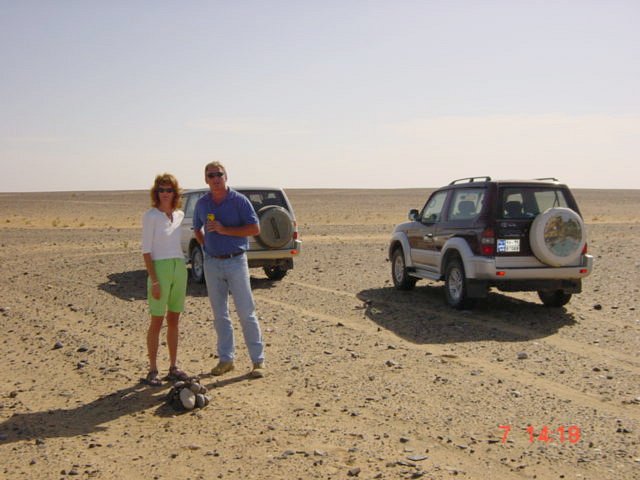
x,y
547,179
471,179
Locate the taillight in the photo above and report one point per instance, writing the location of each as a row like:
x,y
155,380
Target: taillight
x,y
488,242
295,230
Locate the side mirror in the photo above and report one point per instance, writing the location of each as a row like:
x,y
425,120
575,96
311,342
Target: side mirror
x,y
414,215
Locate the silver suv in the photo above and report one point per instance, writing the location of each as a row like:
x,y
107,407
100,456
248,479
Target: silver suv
x,y
275,247
478,233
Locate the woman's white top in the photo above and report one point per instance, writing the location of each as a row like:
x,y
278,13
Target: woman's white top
x,y
161,235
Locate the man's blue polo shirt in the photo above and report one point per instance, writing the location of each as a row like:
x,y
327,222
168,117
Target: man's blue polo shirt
x,y
234,211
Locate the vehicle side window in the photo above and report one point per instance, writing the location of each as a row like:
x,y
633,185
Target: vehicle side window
x,y
190,206
432,211
190,203
466,204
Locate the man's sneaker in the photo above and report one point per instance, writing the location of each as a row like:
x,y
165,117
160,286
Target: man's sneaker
x,y
222,367
258,370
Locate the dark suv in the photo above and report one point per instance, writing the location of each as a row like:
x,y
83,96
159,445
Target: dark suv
x,y
477,233
275,247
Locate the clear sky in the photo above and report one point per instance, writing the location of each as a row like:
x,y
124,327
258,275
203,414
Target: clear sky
x,y
102,95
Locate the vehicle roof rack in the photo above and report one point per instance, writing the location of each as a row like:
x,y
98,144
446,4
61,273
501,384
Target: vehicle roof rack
x,y
470,180
546,179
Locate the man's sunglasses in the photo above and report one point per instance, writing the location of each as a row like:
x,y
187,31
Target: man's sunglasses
x,y
165,190
215,174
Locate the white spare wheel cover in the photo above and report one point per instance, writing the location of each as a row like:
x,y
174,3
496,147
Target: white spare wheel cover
x,y
276,226
557,236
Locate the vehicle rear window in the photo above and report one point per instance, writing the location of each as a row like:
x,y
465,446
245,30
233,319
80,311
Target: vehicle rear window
x,y
527,202
260,199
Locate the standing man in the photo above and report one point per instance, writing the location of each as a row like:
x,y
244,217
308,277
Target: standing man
x,y
228,219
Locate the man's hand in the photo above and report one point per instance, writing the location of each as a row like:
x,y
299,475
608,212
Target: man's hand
x,y
215,226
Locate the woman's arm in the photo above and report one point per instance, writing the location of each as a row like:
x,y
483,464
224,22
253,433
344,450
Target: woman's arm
x,y
155,285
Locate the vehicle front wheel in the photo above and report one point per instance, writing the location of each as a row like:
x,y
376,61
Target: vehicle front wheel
x,y
401,279
455,286
197,265
275,272
554,298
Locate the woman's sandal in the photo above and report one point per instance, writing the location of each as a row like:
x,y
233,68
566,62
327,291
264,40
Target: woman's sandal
x,y
176,375
152,379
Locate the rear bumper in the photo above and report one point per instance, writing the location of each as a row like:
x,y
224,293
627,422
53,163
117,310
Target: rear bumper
x,y
279,257
485,269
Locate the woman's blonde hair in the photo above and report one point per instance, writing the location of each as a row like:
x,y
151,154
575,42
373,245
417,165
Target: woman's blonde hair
x,y
166,179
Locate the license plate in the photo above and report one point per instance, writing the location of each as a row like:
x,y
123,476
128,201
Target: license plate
x,y
508,245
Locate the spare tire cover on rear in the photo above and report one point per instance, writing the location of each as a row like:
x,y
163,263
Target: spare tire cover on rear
x,y
276,226
557,236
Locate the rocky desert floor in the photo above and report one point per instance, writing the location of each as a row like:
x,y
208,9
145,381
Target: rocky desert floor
x,y
363,381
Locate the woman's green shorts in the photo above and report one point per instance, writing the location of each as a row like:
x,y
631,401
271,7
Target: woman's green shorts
x,y
172,275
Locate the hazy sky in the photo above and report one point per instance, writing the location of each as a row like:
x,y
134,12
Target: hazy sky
x,y
102,95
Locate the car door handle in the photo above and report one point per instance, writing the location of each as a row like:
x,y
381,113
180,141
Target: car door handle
x,y
428,236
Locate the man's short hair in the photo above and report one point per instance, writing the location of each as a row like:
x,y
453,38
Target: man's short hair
x,y
215,165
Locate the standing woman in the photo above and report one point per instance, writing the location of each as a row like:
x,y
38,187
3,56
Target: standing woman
x,y
167,281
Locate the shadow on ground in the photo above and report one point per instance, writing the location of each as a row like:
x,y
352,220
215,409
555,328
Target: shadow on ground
x,y
132,285
421,316
84,419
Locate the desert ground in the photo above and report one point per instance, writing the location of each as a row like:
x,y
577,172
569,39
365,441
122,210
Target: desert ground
x,y
363,381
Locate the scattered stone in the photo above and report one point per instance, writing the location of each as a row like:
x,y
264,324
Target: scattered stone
x,y
597,306
354,472
404,440
390,363
57,345
82,349
522,355
417,458
181,397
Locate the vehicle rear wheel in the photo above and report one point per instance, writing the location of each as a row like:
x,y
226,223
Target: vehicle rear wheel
x,y
401,279
197,264
554,298
455,286
275,272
